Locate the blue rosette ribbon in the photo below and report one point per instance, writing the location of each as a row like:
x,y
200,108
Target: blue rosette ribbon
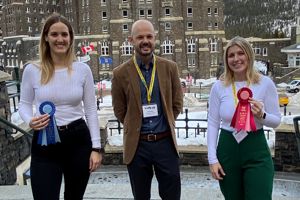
x,y
48,135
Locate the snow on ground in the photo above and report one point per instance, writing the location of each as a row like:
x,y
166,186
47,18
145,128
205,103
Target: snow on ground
x,y
197,110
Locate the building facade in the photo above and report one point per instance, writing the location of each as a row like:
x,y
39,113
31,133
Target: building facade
x,y
189,32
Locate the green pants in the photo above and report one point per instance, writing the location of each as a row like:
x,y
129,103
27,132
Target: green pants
x,y
248,167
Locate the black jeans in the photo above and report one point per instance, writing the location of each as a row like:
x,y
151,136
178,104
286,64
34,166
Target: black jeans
x,y
68,159
163,158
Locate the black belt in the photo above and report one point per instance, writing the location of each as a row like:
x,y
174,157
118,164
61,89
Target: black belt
x,y
155,137
71,125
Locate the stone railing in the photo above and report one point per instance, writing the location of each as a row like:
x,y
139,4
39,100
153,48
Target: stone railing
x,y
286,149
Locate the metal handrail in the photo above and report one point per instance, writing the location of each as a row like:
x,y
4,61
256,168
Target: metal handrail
x,y
13,126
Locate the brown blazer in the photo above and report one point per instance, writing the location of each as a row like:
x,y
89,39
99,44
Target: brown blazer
x,y
126,100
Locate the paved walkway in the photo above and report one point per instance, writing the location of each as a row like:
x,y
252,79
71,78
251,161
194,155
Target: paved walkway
x,y
111,182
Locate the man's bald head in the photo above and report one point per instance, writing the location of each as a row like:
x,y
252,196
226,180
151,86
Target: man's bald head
x,y
141,25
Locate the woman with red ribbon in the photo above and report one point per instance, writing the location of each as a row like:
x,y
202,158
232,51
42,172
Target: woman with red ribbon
x,y
240,104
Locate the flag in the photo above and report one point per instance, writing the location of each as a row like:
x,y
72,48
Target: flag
x,y
105,60
87,49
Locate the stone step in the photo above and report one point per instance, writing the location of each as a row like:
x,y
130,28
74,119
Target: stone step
x,y
112,182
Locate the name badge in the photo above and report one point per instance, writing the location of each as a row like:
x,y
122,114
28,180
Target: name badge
x,y
239,136
150,110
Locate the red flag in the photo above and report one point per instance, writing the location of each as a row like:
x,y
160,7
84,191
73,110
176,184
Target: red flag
x,y
86,49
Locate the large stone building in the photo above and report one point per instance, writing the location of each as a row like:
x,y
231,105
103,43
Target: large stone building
x,y
190,32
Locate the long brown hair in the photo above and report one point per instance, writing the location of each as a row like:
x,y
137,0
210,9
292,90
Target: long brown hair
x,y
46,61
252,74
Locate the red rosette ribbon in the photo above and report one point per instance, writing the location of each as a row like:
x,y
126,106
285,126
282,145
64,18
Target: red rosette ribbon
x,y
243,118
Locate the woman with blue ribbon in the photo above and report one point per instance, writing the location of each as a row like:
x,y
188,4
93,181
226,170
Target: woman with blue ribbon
x,y
64,144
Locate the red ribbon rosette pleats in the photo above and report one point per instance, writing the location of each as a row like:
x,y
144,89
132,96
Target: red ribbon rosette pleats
x,y
243,118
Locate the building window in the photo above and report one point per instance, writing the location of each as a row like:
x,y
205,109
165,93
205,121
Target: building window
x,y
214,60
104,15
103,2
191,46
29,29
167,12
125,13
209,25
190,26
104,29
256,50
125,27
190,12
167,47
104,48
216,25
141,1
297,60
149,1
27,10
213,45
167,26
191,62
265,51
216,11
142,13
209,11
124,1
126,48
149,13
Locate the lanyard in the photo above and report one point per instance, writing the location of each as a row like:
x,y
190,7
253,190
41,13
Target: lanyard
x,y
234,93
150,89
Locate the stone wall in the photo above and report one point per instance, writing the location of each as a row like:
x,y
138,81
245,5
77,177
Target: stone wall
x,y
14,149
286,150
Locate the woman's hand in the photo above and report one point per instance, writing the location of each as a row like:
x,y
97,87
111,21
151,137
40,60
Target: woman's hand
x,y
95,160
39,122
256,108
217,171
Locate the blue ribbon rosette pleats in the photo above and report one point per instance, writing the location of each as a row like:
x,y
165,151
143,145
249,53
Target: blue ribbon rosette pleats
x,y
48,135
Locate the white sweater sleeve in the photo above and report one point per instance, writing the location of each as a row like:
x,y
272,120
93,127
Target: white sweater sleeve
x,y
213,124
271,106
27,94
90,109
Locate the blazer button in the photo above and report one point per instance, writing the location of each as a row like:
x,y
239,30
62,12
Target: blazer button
x,y
137,130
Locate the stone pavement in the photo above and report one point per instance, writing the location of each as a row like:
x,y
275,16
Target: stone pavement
x,y
111,182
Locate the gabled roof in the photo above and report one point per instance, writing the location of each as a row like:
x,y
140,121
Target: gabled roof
x,y
295,48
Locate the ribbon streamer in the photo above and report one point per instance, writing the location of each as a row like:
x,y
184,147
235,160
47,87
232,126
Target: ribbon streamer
x,y
48,135
243,118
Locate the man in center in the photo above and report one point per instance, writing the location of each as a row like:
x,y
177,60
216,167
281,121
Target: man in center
x,y
147,98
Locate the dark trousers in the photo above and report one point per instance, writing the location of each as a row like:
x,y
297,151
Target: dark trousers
x,y
68,159
163,158
248,167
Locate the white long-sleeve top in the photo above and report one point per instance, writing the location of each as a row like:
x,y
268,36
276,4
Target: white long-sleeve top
x,y
73,95
222,108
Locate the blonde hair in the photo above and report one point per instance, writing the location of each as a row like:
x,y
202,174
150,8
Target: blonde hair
x,y
46,61
252,74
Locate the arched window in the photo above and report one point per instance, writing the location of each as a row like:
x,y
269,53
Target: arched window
x,y
104,48
126,48
191,46
167,47
213,45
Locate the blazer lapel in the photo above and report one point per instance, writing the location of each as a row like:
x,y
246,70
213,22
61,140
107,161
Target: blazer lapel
x,y
135,83
161,77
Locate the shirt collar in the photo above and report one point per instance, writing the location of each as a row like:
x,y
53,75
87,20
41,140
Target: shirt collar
x,y
141,64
